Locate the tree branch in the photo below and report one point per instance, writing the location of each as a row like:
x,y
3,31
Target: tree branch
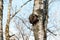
x,y
19,9
51,32
24,23
12,35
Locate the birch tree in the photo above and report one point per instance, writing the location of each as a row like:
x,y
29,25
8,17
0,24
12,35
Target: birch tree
x,y
40,8
1,17
8,21
10,18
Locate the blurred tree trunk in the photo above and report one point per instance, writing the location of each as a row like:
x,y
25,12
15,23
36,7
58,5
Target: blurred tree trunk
x,y
40,28
8,21
1,17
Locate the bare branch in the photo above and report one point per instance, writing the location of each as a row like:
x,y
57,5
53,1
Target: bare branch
x,y
12,35
24,23
20,9
51,32
20,32
25,3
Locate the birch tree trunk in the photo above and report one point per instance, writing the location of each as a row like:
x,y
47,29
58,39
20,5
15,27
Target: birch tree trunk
x,y
1,17
40,28
45,18
8,21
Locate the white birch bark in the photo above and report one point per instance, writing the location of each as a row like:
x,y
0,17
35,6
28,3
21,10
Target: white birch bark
x,y
8,21
39,29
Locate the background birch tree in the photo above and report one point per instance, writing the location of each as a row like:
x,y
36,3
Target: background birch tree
x,y
1,18
8,21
